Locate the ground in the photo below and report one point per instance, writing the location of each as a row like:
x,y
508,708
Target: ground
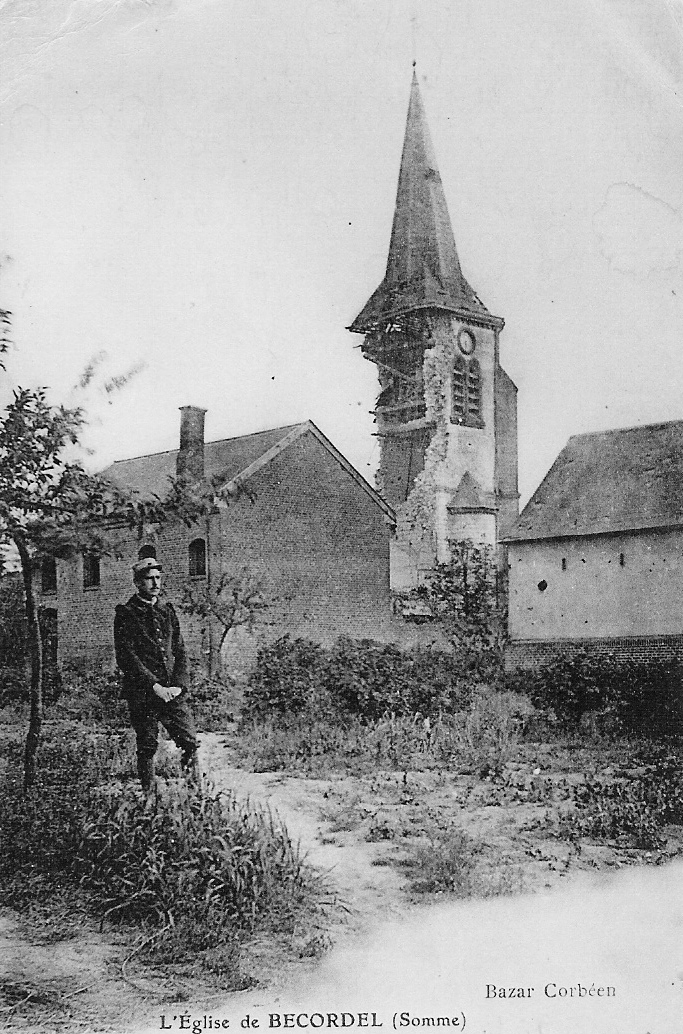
x,y
380,838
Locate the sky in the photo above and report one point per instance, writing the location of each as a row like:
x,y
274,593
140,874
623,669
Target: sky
x,y
205,189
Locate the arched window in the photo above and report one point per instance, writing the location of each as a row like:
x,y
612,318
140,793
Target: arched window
x,y
91,570
459,390
48,574
197,558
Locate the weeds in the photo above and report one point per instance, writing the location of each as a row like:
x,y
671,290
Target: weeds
x,y
632,809
482,738
196,869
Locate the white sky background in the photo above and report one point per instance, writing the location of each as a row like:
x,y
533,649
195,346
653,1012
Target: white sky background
x,y
208,186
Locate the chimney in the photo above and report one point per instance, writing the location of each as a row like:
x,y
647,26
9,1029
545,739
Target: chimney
x,y
190,460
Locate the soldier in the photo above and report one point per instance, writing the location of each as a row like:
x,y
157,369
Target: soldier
x,y
151,654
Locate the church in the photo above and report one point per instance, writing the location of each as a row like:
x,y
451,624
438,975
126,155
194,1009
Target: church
x,y
447,411
339,556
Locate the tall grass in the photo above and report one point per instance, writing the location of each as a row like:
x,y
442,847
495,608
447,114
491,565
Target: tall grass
x,y
193,868
482,737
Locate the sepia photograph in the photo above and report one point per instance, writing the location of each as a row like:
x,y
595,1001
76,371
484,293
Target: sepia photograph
x,y
341,516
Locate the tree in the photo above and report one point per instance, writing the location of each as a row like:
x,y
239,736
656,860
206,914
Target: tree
x,y
467,596
234,601
51,506
47,505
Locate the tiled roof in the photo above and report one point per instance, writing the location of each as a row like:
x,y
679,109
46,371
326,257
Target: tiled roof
x,y
423,269
232,459
149,475
621,480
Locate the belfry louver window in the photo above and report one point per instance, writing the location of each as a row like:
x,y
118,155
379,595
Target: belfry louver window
x,y
459,397
473,391
466,392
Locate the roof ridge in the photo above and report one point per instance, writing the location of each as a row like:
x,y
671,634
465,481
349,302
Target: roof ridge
x,y
215,441
620,430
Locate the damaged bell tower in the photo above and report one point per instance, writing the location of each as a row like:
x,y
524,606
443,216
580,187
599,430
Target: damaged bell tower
x,y
446,413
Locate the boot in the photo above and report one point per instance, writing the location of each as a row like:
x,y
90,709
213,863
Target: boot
x,y
146,772
189,765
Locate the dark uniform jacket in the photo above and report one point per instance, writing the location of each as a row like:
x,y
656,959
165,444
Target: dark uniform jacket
x,y
149,648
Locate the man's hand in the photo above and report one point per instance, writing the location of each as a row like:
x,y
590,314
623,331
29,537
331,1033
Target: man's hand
x,y
166,693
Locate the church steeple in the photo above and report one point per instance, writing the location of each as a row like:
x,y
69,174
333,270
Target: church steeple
x,y
423,268
446,411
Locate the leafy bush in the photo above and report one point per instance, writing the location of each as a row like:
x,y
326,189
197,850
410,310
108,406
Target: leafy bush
x,y
288,678
354,677
468,596
91,696
646,699
634,808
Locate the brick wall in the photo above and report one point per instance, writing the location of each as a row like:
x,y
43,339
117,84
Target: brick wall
x,y
318,539
534,653
320,543
86,615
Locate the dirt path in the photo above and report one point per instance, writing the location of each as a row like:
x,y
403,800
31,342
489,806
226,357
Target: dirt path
x,y
70,979
354,830
366,891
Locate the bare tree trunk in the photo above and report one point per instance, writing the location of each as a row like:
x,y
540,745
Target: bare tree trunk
x,y
36,655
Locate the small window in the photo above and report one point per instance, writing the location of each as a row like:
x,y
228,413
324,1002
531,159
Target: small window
x,y
622,559
197,558
48,574
91,570
564,563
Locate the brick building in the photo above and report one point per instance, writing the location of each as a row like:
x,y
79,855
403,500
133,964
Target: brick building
x,y
447,411
312,528
596,556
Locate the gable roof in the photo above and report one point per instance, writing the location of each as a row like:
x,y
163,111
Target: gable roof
x,y
626,479
232,461
423,268
468,496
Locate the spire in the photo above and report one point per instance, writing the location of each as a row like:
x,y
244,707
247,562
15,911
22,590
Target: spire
x,y
423,269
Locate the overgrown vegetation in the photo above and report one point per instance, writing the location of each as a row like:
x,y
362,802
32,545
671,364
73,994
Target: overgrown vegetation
x,y
631,808
468,597
354,677
196,870
481,738
623,698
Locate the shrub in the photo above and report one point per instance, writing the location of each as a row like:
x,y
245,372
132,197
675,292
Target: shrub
x,y
627,698
354,677
91,696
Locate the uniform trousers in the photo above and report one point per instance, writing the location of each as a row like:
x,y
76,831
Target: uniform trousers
x,y
176,718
